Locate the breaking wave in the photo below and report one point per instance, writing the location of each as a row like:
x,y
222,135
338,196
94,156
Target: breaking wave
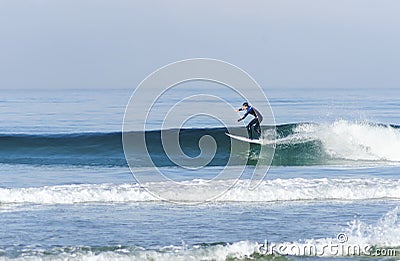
x,y
298,144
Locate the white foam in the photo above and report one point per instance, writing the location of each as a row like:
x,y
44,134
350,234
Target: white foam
x,y
237,250
384,233
354,140
297,189
358,239
70,194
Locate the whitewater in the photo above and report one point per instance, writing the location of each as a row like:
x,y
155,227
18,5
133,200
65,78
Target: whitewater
x,y
275,190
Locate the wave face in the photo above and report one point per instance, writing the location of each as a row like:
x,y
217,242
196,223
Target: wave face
x,y
68,149
298,144
268,191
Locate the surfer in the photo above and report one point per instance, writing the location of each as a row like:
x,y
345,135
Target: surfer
x,y
255,123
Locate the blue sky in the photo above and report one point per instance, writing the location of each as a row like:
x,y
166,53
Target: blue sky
x,y
115,44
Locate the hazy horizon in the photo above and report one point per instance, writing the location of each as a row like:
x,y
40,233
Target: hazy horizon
x,y
282,44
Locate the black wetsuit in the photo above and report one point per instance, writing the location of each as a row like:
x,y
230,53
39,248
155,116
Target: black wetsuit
x,y
254,122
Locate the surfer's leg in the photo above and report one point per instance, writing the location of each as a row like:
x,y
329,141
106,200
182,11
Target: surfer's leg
x,y
257,127
248,127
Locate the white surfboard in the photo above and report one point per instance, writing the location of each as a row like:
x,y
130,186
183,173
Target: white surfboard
x,y
245,139
291,139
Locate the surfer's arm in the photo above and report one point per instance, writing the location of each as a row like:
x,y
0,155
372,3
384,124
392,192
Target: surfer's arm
x,y
244,116
240,109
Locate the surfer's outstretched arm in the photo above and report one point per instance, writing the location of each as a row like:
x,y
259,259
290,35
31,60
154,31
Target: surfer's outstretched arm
x,y
244,116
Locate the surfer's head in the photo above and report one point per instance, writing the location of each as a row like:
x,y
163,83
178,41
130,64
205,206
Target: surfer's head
x,y
245,105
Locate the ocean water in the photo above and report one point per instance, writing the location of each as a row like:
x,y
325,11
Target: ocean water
x,y
333,190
